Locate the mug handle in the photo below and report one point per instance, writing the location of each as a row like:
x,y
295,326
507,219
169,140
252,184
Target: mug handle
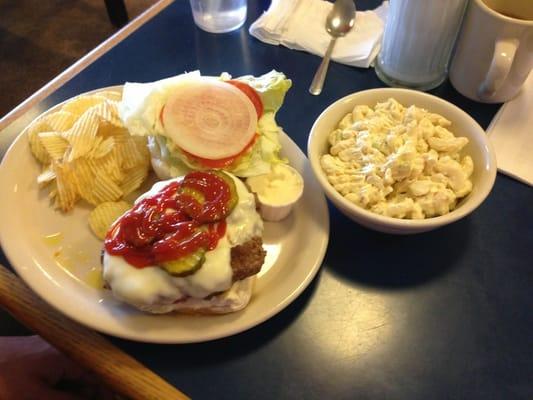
x,y
502,60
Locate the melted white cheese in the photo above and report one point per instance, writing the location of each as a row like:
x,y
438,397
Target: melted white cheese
x,y
244,222
214,275
138,286
153,285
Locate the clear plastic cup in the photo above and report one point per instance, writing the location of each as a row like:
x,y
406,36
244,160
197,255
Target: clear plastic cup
x,y
219,16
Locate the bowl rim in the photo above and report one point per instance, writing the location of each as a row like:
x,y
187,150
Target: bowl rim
x,y
369,216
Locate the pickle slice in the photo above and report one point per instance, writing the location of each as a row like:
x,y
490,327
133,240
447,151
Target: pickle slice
x,y
186,265
234,197
195,194
192,200
205,210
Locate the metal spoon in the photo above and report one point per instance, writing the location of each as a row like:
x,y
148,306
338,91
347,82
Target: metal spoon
x,y
339,22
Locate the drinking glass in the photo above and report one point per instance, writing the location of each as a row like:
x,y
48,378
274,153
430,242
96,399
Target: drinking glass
x,y
219,16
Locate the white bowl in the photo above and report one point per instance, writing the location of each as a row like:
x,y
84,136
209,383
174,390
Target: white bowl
x,y
479,148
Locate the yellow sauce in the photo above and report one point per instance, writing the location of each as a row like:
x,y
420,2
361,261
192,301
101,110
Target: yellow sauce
x,y
64,260
74,262
54,239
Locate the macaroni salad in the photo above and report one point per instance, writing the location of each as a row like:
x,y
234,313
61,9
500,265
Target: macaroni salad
x,y
398,161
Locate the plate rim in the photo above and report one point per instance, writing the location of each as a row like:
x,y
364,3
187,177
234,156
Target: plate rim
x,y
25,273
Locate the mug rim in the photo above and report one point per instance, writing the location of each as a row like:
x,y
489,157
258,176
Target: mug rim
x,y
497,14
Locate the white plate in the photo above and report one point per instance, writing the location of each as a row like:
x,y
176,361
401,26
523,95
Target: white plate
x,y
295,250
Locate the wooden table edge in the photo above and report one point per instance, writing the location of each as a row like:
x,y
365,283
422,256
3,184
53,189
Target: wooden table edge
x,y
83,63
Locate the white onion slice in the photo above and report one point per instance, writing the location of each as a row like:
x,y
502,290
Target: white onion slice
x,y
209,119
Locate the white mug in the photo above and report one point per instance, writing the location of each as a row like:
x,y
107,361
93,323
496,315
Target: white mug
x,y
494,52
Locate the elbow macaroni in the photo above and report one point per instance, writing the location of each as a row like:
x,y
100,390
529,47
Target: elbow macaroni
x,y
398,161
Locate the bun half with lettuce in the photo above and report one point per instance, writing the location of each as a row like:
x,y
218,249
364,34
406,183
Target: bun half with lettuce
x,y
196,122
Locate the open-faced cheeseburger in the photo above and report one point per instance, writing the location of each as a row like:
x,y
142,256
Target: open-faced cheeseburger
x,y
191,244
196,122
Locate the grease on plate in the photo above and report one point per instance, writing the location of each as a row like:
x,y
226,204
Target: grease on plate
x,y
73,261
53,239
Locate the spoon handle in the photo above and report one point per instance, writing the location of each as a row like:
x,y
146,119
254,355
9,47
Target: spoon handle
x,y
320,75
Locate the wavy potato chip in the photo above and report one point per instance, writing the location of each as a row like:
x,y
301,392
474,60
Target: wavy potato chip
x,y
103,216
134,179
82,136
46,176
54,144
109,165
36,147
134,152
60,121
53,190
103,148
108,130
66,189
112,165
84,180
105,189
79,105
108,111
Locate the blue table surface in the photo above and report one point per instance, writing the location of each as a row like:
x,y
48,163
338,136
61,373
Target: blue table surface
x,y
445,314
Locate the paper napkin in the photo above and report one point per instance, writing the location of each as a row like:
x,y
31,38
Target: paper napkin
x,y
511,133
300,25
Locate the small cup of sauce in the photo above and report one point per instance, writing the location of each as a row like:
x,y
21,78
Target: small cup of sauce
x,y
277,192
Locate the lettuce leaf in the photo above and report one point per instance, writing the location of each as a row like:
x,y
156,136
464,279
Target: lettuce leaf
x,y
264,153
271,87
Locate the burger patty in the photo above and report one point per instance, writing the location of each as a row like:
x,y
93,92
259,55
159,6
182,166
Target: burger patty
x,y
247,258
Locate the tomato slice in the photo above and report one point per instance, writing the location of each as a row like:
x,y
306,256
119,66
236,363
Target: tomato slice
x,y
252,95
222,162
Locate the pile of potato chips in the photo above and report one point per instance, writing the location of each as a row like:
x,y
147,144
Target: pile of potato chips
x,y
87,153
